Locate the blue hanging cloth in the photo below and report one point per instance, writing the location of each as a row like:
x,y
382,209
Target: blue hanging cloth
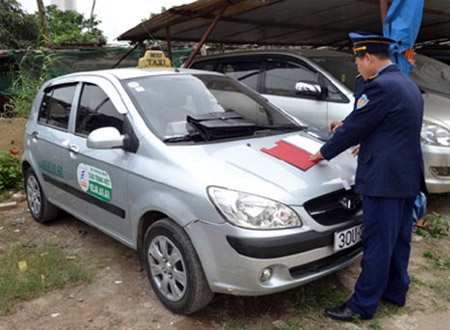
x,y
402,23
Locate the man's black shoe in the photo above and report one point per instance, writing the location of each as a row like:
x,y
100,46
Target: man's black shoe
x,y
341,313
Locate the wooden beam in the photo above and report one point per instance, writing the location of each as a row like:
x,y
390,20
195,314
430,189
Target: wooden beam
x,y
384,9
205,36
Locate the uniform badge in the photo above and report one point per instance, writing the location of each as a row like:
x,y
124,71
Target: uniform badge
x,y
362,101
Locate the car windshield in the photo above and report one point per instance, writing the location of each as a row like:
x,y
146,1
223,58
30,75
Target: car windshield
x,y
431,75
177,107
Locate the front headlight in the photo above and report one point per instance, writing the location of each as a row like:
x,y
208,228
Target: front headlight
x,y
250,211
435,135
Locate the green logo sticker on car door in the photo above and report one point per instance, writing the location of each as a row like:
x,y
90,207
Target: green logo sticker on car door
x,y
94,181
51,168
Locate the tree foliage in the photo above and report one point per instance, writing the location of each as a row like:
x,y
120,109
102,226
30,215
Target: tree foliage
x,y
72,27
18,30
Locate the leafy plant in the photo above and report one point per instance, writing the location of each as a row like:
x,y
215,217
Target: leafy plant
x,y
34,70
18,30
10,171
433,225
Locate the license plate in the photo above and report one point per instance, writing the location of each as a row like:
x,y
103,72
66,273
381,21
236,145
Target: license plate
x,y
347,238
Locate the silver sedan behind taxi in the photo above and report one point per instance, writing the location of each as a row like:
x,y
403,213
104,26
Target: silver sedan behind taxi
x,y
209,183
315,86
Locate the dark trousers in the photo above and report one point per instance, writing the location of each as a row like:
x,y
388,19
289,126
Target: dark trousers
x,y
386,249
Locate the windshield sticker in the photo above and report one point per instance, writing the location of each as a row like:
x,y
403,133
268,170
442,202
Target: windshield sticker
x,y
95,182
51,168
135,85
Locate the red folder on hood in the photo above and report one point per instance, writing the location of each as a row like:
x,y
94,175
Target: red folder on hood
x,y
291,154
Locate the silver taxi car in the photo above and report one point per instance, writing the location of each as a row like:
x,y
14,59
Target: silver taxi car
x,y
315,86
208,182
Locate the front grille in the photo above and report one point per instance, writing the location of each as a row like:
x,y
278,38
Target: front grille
x,y
335,208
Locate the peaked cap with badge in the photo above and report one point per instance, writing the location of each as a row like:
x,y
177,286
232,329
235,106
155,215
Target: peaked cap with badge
x,y
367,42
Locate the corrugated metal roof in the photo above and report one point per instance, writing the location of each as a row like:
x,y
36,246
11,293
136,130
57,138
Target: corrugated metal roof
x,y
282,22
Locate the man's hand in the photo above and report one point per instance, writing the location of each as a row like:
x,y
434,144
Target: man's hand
x,y
334,126
355,151
316,157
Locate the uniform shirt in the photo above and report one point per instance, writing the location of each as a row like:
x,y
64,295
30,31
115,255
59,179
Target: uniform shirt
x,y
386,122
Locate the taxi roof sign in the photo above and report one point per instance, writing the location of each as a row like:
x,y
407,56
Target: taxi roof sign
x,y
154,59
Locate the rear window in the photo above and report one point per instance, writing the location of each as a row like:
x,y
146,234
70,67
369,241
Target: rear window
x,y
56,105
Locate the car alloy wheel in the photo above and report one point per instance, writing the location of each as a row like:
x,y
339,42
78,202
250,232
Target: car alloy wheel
x,y
173,268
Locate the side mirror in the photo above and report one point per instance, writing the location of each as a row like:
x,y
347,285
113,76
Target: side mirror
x,y
307,88
105,138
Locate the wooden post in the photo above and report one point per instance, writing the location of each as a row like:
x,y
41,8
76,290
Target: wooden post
x,y
384,9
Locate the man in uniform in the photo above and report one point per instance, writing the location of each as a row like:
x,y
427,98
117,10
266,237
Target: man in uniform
x,y
385,128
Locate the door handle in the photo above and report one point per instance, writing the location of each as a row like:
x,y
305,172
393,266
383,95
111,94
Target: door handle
x,y
74,148
35,135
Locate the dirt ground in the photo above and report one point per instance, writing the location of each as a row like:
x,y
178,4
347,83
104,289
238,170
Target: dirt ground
x,y
11,134
120,296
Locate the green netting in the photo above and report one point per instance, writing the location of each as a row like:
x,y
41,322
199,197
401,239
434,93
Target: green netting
x,y
68,61
179,56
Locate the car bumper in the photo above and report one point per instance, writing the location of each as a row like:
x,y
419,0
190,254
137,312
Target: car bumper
x,y
235,260
437,168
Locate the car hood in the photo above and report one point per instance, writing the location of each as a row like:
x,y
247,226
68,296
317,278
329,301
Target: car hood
x,y
243,165
436,108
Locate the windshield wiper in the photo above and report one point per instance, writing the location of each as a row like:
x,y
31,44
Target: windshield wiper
x,y
282,127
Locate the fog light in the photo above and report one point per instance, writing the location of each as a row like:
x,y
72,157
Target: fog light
x,y
440,170
266,274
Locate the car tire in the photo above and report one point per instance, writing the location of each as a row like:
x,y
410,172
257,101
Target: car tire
x,y
173,268
40,208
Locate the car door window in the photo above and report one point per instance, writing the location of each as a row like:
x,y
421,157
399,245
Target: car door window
x,y
56,105
333,93
96,110
281,77
244,70
343,69
207,65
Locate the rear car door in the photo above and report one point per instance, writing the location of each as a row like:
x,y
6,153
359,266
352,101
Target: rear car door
x,y
49,138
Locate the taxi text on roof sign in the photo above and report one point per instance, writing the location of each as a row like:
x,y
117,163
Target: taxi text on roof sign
x,y
154,59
